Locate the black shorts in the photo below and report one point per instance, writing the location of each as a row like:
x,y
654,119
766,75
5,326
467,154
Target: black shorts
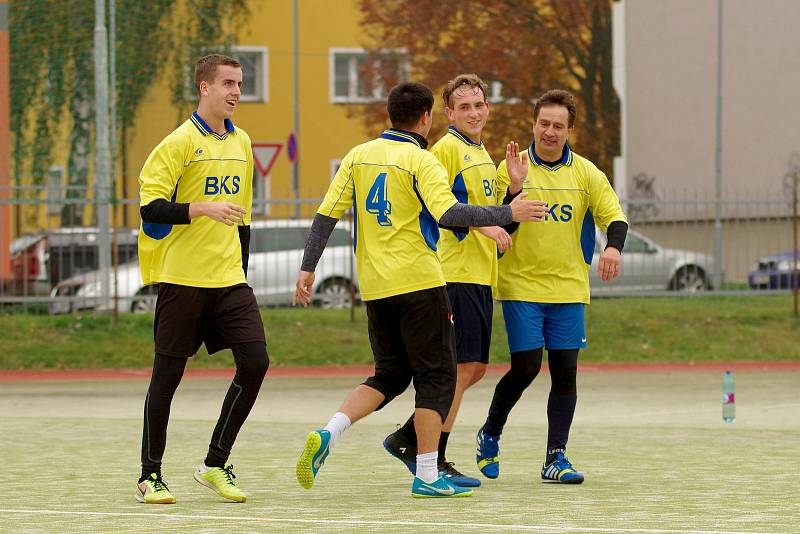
x,y
472,316
187,317
412,338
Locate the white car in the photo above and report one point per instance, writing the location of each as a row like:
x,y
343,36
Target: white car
x,y
276,251
647,267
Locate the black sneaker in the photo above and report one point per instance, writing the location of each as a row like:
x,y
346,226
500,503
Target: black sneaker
x,y
454,476
402,448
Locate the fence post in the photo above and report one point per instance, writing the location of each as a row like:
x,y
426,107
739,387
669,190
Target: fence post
x,y
794,239
102,155
5,140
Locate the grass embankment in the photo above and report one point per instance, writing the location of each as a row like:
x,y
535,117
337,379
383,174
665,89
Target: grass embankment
x,y
619,330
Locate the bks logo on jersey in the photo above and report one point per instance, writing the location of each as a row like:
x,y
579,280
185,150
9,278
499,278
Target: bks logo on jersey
x,y
488,187
216,185
559,212
198,152
467,158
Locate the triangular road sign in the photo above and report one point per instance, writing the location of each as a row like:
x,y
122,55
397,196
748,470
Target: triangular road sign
x,y
264,156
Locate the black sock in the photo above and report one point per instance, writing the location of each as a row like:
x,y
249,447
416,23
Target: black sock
x,y
252,363
563,397
525,366
443,437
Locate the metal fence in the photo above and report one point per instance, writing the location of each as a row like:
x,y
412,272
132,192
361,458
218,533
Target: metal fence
x,y
670,250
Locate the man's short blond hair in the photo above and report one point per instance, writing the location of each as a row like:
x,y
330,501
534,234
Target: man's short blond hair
x,y
471,80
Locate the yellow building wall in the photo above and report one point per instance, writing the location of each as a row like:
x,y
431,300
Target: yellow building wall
x,y
326,133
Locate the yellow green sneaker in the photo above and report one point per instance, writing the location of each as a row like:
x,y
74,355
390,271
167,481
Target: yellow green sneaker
x,y
154,490
220,479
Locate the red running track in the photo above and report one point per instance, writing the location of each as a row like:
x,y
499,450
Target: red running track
x,y
70,375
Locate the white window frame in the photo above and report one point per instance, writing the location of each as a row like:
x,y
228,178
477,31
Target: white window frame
x,y
56,193
262,92
495,95
352,97
334,166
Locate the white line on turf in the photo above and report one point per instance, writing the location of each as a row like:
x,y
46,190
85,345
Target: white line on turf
x,y
228,518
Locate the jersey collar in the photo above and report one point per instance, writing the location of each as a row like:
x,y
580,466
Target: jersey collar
x,y
394,134
566,158
463,137
204,129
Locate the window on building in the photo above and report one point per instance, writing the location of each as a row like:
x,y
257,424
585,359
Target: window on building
x,y
335,164
495,94
255,61
357,75
56,190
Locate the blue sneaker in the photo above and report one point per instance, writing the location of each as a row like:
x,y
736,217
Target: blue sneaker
x,y
313,456
402,448
560,470
488,457
455,477
438,488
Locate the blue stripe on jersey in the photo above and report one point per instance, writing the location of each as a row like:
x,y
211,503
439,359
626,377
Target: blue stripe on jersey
x,y
566,157
453,130
428,226
204,129
588,237
461,194
395,135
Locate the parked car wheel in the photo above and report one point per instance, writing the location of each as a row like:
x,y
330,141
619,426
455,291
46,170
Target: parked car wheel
x,y
334,293
145,305
689,278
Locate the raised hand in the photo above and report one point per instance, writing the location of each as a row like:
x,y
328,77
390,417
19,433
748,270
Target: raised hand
x,y
517,165
527,210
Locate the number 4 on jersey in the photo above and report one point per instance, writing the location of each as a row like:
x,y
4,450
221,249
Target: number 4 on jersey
x,y
378,201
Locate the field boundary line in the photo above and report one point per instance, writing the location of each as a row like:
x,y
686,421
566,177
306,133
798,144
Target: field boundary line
x,y
439,524
43,375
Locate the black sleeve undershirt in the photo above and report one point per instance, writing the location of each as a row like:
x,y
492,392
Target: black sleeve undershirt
x,y
321,229
165,212
616,233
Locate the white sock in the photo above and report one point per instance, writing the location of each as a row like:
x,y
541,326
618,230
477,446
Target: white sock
x,y
203,467
337,425
427,469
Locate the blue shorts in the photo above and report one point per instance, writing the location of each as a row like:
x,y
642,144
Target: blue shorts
x,y
531,325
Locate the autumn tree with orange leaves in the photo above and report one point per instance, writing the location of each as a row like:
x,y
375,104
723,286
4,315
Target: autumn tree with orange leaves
x,y
525,47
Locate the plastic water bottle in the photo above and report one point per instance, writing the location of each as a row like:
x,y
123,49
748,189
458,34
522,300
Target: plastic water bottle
x,y
728,398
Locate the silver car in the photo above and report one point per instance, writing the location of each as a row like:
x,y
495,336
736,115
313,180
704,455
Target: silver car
x,y
648,267
276,251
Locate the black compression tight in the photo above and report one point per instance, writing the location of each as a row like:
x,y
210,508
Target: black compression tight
x,y
252,363
563,365
525,365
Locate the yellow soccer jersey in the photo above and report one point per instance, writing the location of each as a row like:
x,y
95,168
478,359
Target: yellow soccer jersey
x,y
468,258
195,164
550,260
399,192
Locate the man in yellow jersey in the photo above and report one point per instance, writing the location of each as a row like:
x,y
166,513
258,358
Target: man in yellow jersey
x,y
469,259
196,195
399,192
543,281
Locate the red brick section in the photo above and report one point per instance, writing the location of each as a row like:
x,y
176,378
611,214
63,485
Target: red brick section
x,y
363,371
